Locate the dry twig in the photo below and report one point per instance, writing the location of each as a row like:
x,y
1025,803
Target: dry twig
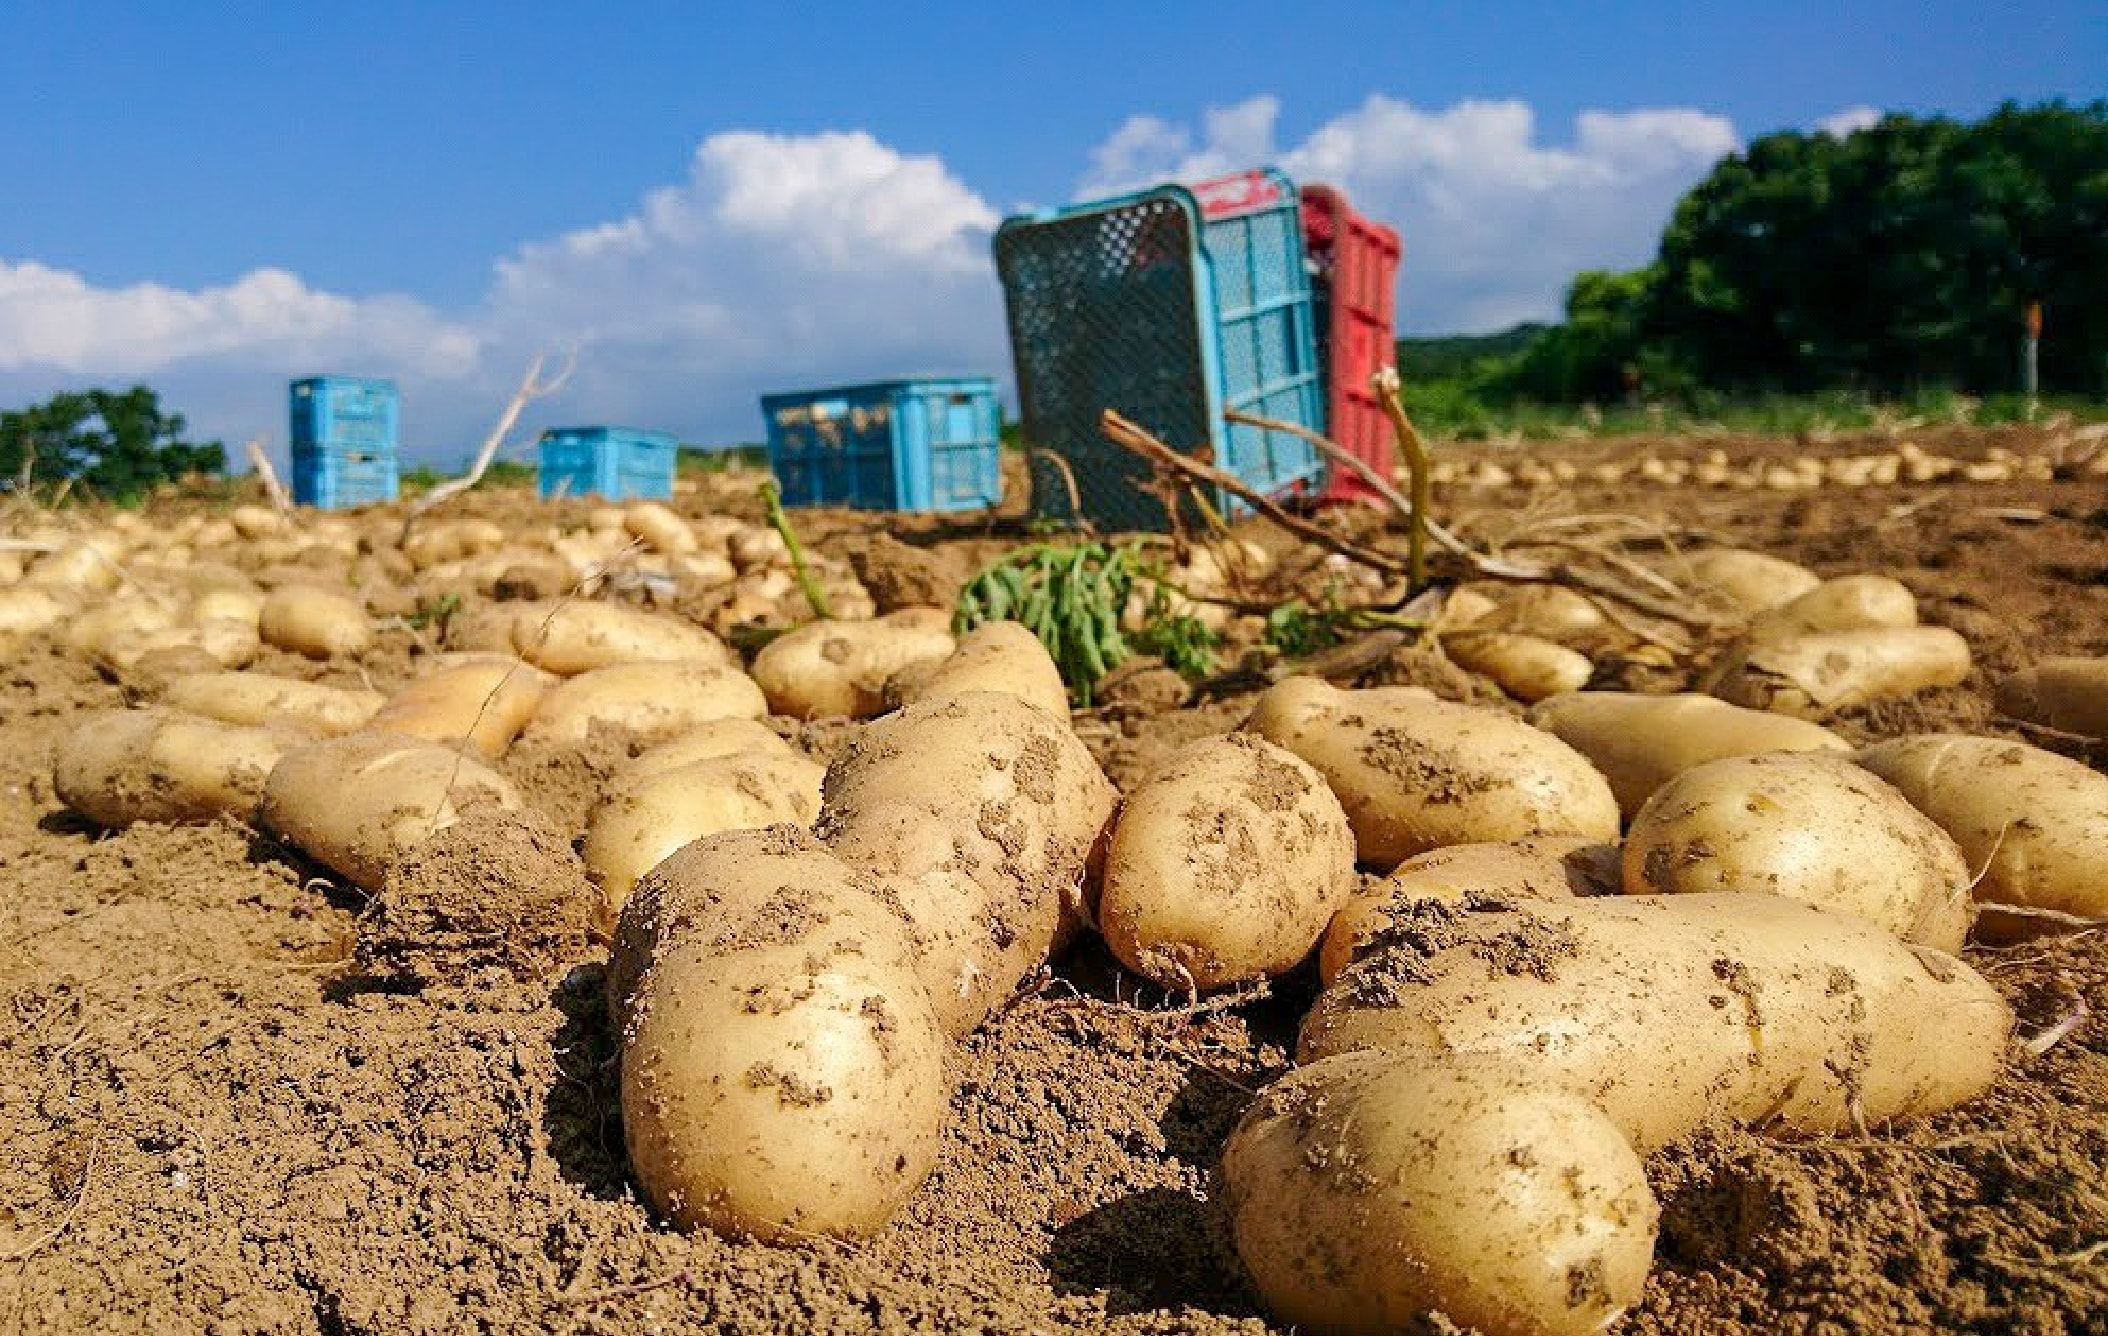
x,y
268,476
532,387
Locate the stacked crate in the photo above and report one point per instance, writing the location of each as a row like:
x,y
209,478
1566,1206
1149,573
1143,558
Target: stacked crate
x,y
1354,266
344,433
617,463
931,444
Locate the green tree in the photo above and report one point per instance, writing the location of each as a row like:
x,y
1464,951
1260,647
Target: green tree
x,y
118,443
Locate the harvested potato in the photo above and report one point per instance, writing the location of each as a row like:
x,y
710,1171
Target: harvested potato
x,y
839,669
2029,822
1749,582
651,816
706,742
1811,827
782,1066
227,605
91,633
1367,1190
27,610
1415,773
1527,667
318,623
1543,867
981,814
357,804
1642,742
83,566
123,766
1226,863
578,637
653,701
998,656
1813,676
258,698
1670,1011
1548,612
1848,603
483,703
660,529
2068,693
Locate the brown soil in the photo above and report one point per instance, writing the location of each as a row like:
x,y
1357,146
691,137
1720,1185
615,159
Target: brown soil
x,y
236,1098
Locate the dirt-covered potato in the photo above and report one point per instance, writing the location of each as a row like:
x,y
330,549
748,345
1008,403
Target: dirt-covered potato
x,y
1546,611
579,636
1848,603
1527,667
80,567
2066,693
1544,867
653,701
1225,865
2032,824
1809,826
659,528
1670,1011
838,669
651,815
981,814
1415,773
1642,742
1750,582
482,702
314,622
356,804
707,741
153,765
999,656
259,698
1815,675
1367,1190
782,1065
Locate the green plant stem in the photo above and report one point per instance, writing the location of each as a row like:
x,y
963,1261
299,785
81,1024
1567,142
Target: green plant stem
x,y
815,596
1385,382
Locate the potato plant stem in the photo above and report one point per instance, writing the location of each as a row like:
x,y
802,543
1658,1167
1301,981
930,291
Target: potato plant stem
x,y
772,502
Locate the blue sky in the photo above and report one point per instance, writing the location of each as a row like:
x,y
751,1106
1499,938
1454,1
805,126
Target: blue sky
x,y
719,202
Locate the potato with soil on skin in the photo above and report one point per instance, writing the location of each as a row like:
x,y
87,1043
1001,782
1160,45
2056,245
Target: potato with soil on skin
x,y
1848,603
838,669
579,636
314,622
705,742
1415,773
1814,676
258,698
2068,693
1748,582
659,528
1366,1190
483,703
154,765
981,815
1642,742
356,804
1546,611
1671,1011
783,1068
1226,863
1527,667
1812,827
653,701
648,817
1543,867
2031,824
997,656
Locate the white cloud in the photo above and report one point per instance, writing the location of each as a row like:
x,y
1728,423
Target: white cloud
x,y
1849,121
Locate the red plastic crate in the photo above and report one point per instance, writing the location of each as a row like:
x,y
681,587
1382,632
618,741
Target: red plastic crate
x,y
1357,264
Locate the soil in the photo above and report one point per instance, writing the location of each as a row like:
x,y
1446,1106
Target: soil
x,y
236,1097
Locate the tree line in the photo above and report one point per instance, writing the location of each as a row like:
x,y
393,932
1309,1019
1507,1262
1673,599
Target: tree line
x,y
116,444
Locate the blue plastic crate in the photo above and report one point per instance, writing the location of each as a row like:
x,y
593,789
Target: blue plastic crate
x,y
619,463
1171,306
340,477
924,444
345,411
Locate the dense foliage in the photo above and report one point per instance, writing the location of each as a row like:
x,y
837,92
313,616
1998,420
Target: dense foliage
x,y
118,444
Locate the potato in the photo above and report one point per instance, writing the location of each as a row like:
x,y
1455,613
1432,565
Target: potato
x,y
1527,667
753,548
1849,603
649,817
782,1067
1811,827
1226,863
2068,693
256,521
317,623
1749,582
1813,676
81,567
123,766
227,605
653,701
659,528
1366,1190
357,804
578,637
839,669
980,813
1415,773
706,742
482,703
2029,822
256,698
27,610
1670,1011
1642,742
1544,867
127,616
1549,612
227,642
998,656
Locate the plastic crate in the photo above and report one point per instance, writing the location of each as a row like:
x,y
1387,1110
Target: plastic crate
x,y
330,477
618,463
1356,285
1171,306
345,411
923,444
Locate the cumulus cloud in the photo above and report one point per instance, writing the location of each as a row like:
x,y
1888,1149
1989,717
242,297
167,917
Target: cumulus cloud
x,y
1849,121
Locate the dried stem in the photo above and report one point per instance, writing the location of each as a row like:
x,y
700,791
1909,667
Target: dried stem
x,y
268,476
532,387
1385,383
